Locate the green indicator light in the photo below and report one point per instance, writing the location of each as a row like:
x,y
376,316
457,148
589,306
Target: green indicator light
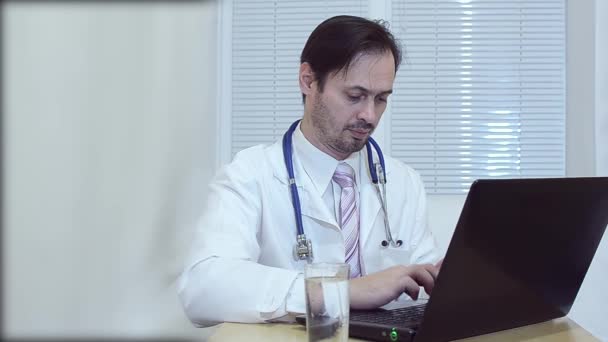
x,y
394,335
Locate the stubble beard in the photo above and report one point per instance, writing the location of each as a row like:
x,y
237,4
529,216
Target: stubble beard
x,y
332,137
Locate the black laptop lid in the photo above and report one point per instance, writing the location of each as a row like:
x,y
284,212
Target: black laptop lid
x,y
518,256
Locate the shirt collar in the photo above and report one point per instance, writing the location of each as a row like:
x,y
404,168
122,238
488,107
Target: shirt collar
x,y
318,165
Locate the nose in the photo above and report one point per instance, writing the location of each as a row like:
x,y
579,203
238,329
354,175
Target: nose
x,y
368,112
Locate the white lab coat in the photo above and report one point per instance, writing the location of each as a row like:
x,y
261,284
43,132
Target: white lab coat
x,y
242,268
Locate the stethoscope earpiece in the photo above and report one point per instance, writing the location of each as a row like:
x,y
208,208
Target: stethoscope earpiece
x,y
398,243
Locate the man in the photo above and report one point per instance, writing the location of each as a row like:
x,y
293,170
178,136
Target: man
x,y
242,267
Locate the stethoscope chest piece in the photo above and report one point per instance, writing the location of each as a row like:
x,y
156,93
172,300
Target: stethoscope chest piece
x,y
303,249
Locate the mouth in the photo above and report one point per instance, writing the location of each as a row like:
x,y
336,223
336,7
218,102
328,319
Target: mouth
x,y
360,134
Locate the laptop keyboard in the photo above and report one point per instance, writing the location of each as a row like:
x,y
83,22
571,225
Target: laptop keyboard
x,y
406,317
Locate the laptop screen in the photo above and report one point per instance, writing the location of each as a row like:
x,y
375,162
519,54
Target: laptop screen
x,y
518,256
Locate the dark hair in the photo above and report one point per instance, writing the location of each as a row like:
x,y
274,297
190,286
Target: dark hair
x,y
334,44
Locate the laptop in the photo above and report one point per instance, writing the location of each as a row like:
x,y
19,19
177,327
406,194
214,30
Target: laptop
x,y
518,256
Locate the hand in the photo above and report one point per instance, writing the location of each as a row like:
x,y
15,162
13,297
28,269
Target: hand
x,y
438,264
377,289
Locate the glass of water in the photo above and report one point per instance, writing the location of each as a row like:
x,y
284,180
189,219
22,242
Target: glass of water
x,y
327,301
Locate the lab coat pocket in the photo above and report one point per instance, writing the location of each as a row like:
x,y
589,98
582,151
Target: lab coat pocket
x,y
395,256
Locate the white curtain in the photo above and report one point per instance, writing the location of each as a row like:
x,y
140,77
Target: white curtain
x,y
108,147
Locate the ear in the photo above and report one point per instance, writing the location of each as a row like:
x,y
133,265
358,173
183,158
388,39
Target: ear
x,y
306,79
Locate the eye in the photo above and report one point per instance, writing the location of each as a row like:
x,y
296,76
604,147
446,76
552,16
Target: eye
x,y
355,98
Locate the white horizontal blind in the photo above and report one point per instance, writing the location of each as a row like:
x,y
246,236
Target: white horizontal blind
x,y
267,39
481,91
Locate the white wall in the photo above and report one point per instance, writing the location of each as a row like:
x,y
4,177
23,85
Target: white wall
x,y
601,87
591,37
580,82
109,142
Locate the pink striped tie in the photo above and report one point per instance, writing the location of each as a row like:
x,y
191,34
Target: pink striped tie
x,y
349,217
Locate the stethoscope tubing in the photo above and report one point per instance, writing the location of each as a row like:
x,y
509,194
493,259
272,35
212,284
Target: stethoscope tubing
x,y
295,197
377,179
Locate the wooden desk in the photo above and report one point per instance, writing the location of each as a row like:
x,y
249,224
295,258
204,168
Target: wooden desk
x,y
558,330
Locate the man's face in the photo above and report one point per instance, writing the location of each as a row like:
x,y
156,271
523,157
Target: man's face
x,y
345,114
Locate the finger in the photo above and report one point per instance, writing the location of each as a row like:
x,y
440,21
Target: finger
x,y
423,271
429,286
424,277
433,270
410,287
438,264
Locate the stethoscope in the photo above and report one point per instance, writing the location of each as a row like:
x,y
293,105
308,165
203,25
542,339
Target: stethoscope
x,y
303,248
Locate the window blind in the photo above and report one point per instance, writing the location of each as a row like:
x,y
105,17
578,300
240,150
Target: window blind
x,y
267,39
481,92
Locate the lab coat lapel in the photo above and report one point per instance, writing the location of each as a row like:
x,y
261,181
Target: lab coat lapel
x,y
314,207
311,201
